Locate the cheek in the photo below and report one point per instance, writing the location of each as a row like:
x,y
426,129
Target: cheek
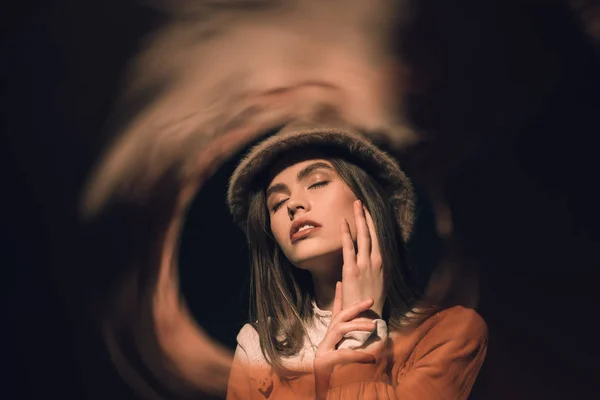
x,y
279,230
338,208
350,218
348,212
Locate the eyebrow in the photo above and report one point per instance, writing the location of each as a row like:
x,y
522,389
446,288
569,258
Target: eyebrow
x,y
303,173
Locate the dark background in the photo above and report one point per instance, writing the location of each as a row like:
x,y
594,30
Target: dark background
x,y
510,91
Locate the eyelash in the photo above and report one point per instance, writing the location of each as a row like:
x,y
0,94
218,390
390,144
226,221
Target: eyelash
x,y
313,186
318,184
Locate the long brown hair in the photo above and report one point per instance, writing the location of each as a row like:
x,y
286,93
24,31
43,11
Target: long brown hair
x,y
282,295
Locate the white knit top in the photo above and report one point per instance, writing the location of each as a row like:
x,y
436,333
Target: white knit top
x,y
249,350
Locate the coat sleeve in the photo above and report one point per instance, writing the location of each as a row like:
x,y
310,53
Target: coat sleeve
x,y
447,360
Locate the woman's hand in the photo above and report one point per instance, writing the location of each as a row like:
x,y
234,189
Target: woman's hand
x,y
327,355
362,272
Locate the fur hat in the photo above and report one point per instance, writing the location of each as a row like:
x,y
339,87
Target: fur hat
x,y
352,145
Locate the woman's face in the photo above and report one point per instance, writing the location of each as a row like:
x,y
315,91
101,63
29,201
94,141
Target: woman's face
x,y
306,202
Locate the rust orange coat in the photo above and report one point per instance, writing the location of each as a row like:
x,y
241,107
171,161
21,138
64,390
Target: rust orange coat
x,y
438,359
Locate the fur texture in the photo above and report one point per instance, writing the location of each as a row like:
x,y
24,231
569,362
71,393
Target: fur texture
x,y
350,142
226,66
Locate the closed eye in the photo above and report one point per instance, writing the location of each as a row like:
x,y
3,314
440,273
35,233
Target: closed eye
x,y
313,186
318,185
277,206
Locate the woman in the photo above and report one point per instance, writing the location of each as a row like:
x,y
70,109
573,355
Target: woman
x,y
326,214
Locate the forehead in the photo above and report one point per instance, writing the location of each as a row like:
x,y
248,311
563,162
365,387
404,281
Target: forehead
x,y
291,163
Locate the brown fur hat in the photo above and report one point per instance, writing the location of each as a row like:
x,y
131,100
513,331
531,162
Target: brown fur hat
x,y
345,141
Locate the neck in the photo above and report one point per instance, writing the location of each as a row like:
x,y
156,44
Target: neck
x,y
324,287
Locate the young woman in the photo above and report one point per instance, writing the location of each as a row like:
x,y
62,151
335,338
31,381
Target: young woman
x,y
326,214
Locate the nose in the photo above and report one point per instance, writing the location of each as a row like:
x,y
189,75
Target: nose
x,y
294,205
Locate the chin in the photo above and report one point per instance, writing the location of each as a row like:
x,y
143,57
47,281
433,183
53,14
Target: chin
x,y
313,256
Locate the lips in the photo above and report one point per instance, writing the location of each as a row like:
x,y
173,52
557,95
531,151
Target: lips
x,y
302,228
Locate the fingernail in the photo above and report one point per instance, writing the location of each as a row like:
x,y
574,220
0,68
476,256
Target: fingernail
x,y
359,203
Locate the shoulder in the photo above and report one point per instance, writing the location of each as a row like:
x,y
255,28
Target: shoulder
x,y
452,336
248,337
455,324
456,331
460,321
248,342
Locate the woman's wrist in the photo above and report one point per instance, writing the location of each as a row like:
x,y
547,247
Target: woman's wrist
x,y
322,377
373,313
321,369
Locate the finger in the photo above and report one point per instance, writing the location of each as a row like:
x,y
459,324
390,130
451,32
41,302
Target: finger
x,y
375,249
363,239
337,302
336,332
352,311
347,246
